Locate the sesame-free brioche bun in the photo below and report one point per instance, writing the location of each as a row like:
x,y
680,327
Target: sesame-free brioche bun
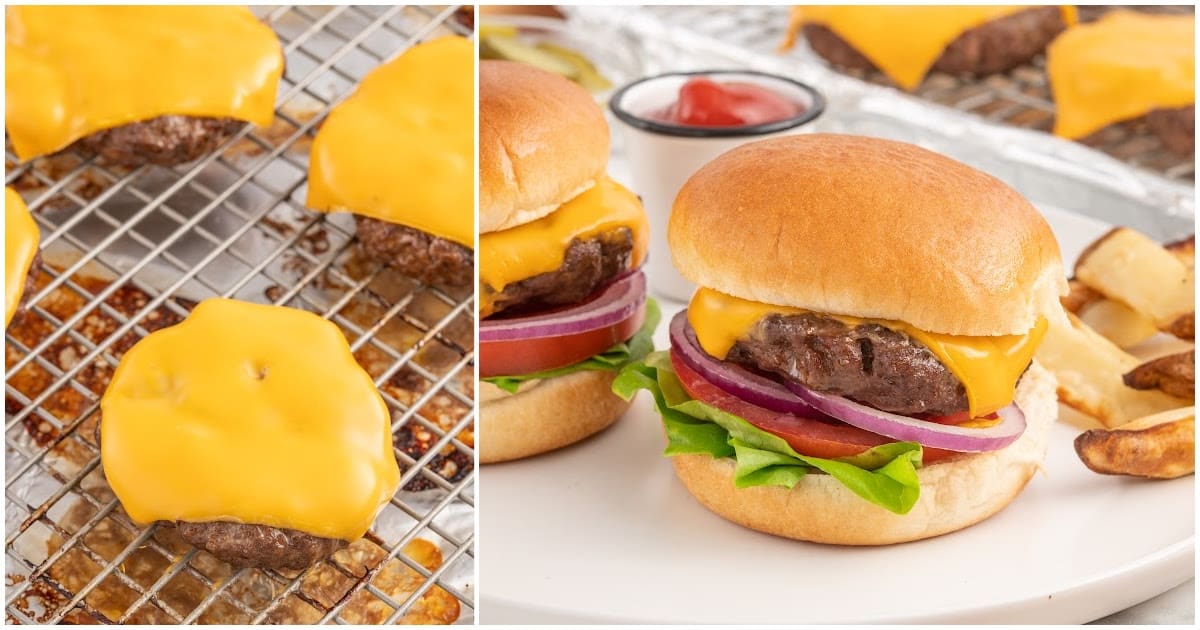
x,y
955,493
866,227
542,141
545,415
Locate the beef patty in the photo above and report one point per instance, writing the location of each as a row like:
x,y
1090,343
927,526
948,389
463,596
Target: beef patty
x,y
165,140
587,265
996,46
426,257
260,546
1176,127
868,363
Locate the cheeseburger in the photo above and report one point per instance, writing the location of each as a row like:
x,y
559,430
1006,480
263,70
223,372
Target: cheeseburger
x,y
856,366
562,304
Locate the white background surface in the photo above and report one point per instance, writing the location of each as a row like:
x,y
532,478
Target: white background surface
x,y
603,532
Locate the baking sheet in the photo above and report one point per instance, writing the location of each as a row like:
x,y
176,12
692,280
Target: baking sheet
x,y
232,224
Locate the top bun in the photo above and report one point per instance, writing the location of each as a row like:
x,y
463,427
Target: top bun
x,y
542,141
872,228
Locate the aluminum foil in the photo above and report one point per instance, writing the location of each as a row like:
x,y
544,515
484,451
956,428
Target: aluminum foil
x,y
1050,171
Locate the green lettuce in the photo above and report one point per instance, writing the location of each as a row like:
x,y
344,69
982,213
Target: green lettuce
x,y
611,360
885,475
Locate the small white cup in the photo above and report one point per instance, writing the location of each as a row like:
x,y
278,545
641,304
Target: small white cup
x,y
663,155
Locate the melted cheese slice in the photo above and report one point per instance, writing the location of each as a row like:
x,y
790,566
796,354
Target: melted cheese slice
x,y
1121,67
904,41
536,247
21,237
73,71
252,414
988,367
401,148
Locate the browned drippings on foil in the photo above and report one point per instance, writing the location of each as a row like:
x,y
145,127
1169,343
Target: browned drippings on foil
x,y
324,585
321,588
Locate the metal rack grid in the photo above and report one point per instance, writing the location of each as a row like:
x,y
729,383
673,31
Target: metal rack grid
x,y
128,251
1019,97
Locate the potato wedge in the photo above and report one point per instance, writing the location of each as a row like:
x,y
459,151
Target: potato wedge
x,y
1117,322
1127,266
1081,296
1161,446
1090,368
1174,374
1184,250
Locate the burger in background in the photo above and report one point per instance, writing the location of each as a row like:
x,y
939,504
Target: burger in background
x,y
907,42
562,303
856,367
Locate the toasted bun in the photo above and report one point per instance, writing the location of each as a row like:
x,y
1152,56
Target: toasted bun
x,y
542,141
954,494
873,228
545,415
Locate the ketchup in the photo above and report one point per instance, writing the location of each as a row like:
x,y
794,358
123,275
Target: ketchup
x,y
705,103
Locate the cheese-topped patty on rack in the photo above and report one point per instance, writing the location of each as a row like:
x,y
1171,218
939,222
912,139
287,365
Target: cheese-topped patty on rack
x,y
136,84
253,428
398,154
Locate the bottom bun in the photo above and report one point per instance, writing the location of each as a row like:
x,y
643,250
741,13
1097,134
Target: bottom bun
x,y
545,415
954,494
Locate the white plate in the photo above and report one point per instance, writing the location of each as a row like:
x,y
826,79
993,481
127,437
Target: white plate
x,y
602,532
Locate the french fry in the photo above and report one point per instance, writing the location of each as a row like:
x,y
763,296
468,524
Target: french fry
x,y
1090,368
1126,266
1174,374
1160,446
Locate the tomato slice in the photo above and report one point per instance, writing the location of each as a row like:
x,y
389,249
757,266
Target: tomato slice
x,y
526,356
807,436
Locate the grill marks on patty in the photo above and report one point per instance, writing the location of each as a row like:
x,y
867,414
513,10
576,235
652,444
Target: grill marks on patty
x,y
868,363
588,264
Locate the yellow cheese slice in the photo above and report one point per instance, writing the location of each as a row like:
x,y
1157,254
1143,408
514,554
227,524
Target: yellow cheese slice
x,y
988,367
538,247
73,71
21,237
401,149
904,41
1121,67
248,413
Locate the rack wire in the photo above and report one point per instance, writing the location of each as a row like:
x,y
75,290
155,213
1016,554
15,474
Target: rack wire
x,y
128,251
1019,97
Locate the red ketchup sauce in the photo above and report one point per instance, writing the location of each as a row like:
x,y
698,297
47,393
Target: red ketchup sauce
x,y
706,103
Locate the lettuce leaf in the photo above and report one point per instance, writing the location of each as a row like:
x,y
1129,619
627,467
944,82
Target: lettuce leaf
x,y
885,475
612,360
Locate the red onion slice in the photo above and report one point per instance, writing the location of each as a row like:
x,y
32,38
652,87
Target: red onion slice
x,y
614,304
733,378
904,428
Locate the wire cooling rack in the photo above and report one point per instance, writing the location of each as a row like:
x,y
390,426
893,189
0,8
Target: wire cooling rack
x,y
1019,97
129,251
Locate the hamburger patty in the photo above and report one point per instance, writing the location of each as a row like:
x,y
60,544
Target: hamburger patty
x,y
165,141
426,257
258,545
587,265
992,47
1176,127
869,363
